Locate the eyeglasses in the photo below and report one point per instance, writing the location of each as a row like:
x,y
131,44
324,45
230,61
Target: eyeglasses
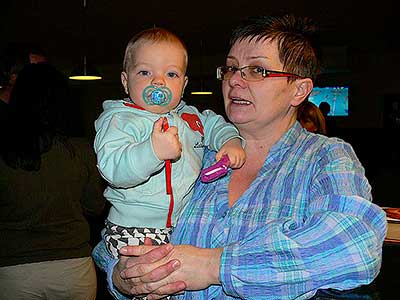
x,y
250,73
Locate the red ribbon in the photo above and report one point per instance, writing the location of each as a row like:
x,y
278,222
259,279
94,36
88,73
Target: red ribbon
x,y
168,169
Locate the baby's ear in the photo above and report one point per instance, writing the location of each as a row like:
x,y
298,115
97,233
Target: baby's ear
x,y
304,87
184,86
124,81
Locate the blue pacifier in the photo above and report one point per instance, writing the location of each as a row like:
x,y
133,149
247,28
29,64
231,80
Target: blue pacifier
x,y
154,95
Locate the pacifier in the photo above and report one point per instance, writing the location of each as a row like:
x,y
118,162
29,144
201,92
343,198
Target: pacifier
x,y
217,170
154,95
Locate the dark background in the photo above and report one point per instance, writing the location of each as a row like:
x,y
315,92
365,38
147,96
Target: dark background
x,y
360,44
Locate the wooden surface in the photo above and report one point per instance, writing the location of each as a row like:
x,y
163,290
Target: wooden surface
x,y
393,232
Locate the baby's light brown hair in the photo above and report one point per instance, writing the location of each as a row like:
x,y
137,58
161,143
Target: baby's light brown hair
x,y
155,35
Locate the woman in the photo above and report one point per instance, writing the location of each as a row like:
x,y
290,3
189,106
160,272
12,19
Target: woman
x,y
48,180
295,218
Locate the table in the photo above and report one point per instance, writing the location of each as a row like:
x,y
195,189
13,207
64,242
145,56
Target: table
x,y
393,233
384,287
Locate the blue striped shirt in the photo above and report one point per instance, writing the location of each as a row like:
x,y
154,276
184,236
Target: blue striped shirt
x,y
305,223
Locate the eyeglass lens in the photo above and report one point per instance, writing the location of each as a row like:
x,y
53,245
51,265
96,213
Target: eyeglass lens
x,y
250,73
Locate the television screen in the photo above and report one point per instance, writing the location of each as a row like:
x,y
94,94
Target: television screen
x,y
337,97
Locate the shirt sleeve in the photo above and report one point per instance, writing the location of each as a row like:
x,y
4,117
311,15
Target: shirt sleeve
x,y
124,158
217,131
337,245
106,263
92,201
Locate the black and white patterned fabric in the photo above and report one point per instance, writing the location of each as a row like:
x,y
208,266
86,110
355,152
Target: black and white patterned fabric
x,y
117,236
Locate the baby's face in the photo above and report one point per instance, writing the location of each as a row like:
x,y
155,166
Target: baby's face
x,y
156,64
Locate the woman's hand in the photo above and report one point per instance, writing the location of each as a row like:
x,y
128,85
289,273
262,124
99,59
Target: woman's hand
x,y
160,271
141,270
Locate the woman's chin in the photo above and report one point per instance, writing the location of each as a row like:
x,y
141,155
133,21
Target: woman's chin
x,y
239,114
238,118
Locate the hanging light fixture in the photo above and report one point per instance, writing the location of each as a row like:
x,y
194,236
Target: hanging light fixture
x,y
202,91
84,71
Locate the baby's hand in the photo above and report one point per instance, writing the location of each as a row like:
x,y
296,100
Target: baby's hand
x,y
235,152
166,144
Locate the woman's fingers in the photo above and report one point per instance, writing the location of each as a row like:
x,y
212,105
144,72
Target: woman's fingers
x,y
157,282
168,289
148,273
147,269
145,253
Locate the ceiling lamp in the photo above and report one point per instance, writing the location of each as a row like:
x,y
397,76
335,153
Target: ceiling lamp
x,y
85,71
201,91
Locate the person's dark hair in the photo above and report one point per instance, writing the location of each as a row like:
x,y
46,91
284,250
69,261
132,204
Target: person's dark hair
x,y
309,112
14,57
325,108
11,64
37,117
297,39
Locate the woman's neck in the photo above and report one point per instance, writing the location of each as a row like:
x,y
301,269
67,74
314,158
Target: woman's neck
x,y
241,179
260,139
258,145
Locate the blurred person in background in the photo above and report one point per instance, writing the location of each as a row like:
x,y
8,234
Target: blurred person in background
x,y
13,59
330,122
311,118
48,183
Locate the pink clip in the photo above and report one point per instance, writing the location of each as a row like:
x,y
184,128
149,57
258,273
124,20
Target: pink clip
x,y
217,170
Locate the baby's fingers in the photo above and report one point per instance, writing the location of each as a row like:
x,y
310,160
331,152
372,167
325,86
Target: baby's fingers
x,y
237,160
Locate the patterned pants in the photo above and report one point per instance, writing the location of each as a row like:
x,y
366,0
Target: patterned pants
x,y
117,236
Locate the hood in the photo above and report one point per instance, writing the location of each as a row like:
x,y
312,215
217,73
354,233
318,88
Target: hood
x,y
111,107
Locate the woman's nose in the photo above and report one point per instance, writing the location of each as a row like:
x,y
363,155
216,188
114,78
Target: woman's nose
x,y
237,79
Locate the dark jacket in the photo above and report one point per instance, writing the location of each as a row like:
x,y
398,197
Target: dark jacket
x,y
42,212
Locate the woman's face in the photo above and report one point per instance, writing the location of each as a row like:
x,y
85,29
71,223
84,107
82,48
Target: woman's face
x,y
265,104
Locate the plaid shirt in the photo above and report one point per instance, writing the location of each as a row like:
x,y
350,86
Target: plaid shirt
x,y
305,223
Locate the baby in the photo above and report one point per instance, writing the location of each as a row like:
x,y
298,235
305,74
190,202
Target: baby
x,y
150,146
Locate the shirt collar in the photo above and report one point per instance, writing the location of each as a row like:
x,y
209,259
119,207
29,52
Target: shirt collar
x,y
289,138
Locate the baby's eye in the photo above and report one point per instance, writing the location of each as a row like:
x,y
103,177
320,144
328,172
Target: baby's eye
x,y
144,73
173,75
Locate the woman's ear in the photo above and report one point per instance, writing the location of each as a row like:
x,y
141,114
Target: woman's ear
x,y
304,87
124,81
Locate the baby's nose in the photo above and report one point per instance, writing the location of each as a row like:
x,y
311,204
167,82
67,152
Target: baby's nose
x,y
158,81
